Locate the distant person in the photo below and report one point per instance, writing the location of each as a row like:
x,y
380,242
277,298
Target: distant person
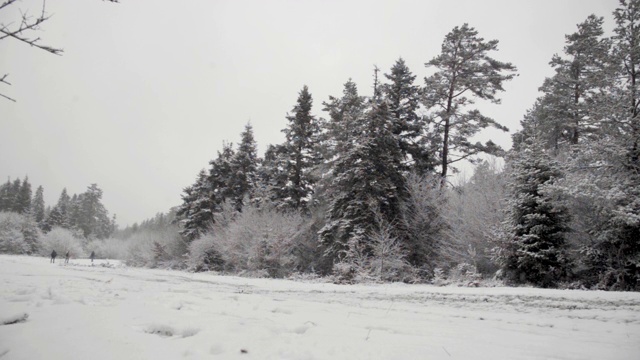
x,y
66,257
92,256
53,256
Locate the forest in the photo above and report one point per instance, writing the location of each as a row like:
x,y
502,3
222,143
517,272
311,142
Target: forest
x,y
365,191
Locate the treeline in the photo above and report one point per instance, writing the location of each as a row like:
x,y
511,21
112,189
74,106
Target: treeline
x,y
364,193
27,226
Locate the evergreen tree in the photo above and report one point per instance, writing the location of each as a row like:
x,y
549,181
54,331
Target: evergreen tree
x,y
92,217
5,196
59,215
221,175
346,117
465,72
37,206
197,208
579,74
23,198
626,62
404,99
301,154
14,196
244,167
604,180
534,250
205,197
367,185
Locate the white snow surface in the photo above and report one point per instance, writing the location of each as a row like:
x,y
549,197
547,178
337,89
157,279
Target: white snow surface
x,y
84,311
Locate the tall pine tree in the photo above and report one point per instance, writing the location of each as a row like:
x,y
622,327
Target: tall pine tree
x,y
244,166
403,97
301,151
464,72
37,206
367,186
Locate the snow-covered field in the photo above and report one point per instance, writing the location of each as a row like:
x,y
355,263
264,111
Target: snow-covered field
x,y
79,311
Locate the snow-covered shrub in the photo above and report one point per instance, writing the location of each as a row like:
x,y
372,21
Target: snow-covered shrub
x,y
465,274
258,239
19,234
61,240
11,238
429,243
380,259
475,211
108,248
163,248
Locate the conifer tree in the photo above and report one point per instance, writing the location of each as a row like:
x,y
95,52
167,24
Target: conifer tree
x,y
92,217
221,175
346,117
579,74
404,99
244,167
14,196
5,196
367,184
205,197
534,249
59,215
464,72
300,149
197,208
37,206
23,198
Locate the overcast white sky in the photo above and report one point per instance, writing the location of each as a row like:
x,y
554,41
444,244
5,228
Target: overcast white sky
x,y
147,90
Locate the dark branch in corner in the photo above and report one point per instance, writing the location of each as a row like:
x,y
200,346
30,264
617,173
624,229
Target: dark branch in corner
x,y
28,24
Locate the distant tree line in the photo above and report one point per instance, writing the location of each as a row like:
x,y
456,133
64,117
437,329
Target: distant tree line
x,y
26,219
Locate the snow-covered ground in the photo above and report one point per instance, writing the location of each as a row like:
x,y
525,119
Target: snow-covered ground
x,y
79,311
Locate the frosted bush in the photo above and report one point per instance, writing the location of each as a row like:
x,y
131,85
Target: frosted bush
x,y
257,240
61,240
18,234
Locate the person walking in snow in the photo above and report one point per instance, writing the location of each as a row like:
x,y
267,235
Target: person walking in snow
x,y
66,257
92,256
53,256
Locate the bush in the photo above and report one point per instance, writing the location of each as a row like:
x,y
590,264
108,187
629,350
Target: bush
x,y
382,259
156,248
109,248
257,240
19,234
61,240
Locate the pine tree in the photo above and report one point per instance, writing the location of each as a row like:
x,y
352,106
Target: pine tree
x,y
92,217
465,72
221,175
346,117
59,215
197,208
5,196
579,74
244,167
367,183
534,250
23,198
14,196
37,206
404,100
301,154
205,197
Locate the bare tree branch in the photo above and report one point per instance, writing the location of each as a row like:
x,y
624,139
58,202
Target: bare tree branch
x,y
27,24
3,80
